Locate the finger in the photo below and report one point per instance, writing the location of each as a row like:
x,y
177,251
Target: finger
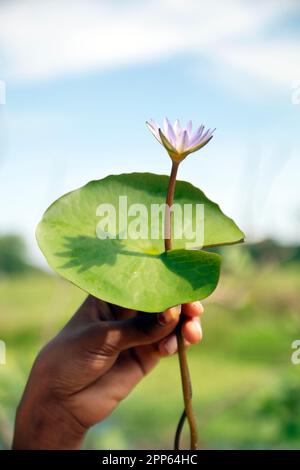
x,y
193,309
192,331
106,392
145,328
121,313
146,357
169,346
91,310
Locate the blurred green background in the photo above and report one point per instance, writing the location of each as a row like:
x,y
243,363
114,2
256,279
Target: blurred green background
x,y
78,80
246,390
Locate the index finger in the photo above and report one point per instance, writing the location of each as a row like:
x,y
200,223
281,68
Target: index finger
x,y
193,309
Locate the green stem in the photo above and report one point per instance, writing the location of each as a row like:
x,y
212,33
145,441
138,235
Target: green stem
x,y
187,392
169,203
184,370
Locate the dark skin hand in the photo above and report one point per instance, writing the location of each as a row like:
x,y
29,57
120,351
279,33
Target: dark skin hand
x,y
82,374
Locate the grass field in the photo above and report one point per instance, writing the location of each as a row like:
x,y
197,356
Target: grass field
x,y
245,387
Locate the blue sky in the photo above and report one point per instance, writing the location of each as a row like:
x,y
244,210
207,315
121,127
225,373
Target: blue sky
x,y
82,78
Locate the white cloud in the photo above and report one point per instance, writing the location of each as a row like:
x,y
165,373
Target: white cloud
x,y
275,62
46,39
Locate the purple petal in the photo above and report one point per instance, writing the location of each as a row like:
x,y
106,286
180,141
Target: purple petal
x,y
166,126
169,132
153,124
177,128
182,142
166,143
206,135
203,141
154,129
197,136
189,128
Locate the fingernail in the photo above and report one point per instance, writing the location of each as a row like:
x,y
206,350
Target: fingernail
x,y
197,327
169,315
199,306
170,345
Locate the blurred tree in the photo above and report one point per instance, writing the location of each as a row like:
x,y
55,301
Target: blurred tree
x,y
265,252
13,255
269,251
283,408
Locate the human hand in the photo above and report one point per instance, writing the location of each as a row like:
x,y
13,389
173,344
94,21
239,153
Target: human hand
x,y
95,361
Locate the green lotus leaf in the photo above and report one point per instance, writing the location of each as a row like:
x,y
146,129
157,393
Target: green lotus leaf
x,y
134,271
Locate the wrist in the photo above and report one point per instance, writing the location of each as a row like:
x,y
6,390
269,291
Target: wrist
x,y
44,423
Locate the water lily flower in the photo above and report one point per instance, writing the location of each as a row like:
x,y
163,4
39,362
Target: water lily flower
x,y
179,141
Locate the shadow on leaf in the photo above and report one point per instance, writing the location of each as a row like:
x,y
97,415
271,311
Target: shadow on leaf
x,y
198,268
85,252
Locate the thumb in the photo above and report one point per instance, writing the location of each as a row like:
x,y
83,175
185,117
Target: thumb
x,y
144,328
